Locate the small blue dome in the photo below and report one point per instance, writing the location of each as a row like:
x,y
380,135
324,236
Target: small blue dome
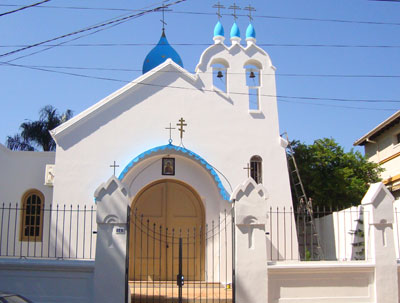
x,y
235,32
161,52
250,32
219,30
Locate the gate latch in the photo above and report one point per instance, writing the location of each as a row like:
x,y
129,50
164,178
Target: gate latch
x,y
180,280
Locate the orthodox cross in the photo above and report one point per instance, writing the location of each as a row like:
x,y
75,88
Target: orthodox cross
x,y
248,170
114,166
218,6
181,124
170,128
164,9
234,7
250,9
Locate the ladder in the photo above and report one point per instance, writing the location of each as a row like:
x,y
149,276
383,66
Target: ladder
x,y
308,238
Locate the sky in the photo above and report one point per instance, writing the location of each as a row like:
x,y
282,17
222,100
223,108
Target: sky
x,y
338,62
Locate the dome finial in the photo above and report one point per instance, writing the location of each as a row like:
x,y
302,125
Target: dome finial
x,y
219,32
235,32
250,31
160,53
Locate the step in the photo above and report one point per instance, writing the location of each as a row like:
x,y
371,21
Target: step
x,y
166,292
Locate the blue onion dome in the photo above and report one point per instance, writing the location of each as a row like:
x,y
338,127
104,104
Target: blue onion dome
x,y
219,30
235,32
250,32
159,54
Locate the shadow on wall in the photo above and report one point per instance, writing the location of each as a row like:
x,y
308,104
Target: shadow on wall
x,y
126,101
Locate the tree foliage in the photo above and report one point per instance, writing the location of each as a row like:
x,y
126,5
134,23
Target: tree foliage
x,y
35,135
331,176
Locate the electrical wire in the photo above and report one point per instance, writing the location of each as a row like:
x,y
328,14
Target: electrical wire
x,y
213,14
208,44
23,7
280,97
228,73
118,20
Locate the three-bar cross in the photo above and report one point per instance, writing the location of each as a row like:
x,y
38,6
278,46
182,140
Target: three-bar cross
x,y
234,7
250,9
181,124
218,6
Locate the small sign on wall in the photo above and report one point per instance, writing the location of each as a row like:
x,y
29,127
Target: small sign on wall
x,y
168,166
120,231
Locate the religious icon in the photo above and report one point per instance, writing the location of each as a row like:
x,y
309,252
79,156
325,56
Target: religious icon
x,y
168,166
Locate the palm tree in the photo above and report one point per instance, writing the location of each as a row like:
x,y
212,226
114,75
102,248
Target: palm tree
x,y
36,134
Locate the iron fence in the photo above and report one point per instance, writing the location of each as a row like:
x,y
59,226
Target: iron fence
x,y
60,231
181,263
323,234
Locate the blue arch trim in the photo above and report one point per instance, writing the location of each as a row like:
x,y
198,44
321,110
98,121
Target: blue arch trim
x,y
184,151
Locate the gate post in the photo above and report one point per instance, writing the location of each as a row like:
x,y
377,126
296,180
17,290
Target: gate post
x,y
251,276
111,244
379,238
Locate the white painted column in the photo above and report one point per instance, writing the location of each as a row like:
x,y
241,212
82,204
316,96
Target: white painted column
x,y
378,212
112,231
251,276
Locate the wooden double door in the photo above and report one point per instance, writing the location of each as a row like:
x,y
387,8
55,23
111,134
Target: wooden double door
x,y
161,213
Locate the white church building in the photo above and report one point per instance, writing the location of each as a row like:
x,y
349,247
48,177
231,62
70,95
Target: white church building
x,y
201,162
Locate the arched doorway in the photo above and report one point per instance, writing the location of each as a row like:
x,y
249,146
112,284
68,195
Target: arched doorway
x,y
161,213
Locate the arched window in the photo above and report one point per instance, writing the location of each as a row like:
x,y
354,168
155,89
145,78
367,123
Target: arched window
x,y
256,168
220,74
253,83
32,216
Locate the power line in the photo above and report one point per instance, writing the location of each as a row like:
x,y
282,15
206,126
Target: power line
x,y
279,97
213,14
23,7
119,20
208,44
228,73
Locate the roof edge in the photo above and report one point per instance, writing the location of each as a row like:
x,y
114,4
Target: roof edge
x,y
385,123
97,106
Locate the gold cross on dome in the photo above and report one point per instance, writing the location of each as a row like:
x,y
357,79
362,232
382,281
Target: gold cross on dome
x,y
181,124
218,6
250,9
234,7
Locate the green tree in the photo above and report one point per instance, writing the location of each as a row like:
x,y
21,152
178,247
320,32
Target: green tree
x,y
35,135
331,176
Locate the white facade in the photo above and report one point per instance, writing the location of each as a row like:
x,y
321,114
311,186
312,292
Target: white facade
x,y
22,171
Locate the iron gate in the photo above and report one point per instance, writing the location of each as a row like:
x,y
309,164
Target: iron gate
x,y
181,264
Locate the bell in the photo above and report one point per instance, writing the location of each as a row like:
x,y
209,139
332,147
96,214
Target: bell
x,y
252,75
220,75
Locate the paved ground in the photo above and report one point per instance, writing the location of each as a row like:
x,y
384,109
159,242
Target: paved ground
x,y
167,292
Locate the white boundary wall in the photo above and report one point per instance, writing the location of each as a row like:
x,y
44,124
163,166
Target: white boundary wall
x,y
48,281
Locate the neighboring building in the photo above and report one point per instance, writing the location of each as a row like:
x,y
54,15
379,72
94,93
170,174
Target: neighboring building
x,y
382,145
